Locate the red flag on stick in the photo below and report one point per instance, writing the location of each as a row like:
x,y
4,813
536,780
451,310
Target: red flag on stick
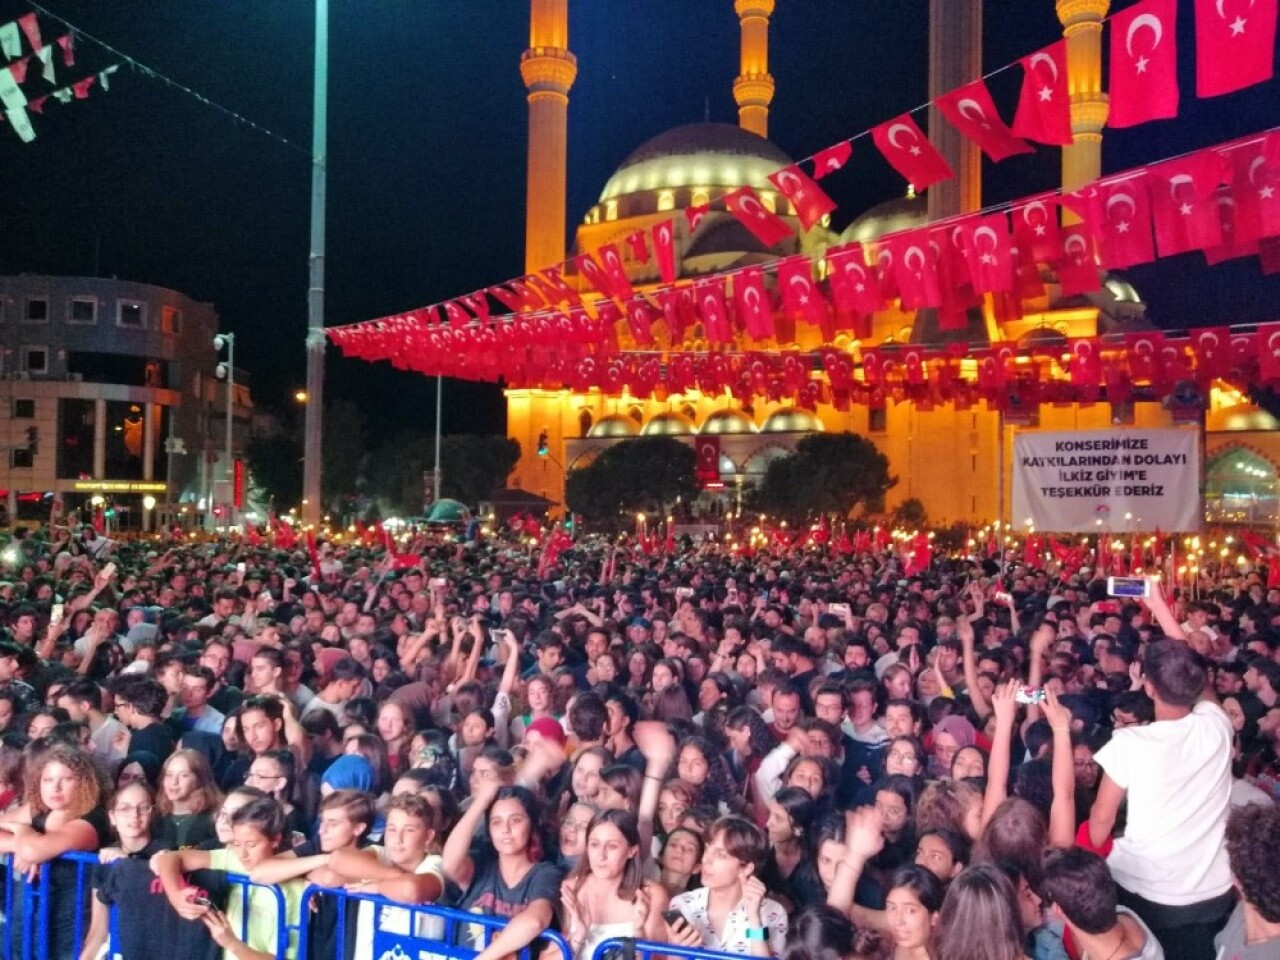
x,y
909,152
1044,105
1144,63
1235,45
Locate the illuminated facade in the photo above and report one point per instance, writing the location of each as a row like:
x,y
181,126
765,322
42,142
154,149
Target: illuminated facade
x,y
957,461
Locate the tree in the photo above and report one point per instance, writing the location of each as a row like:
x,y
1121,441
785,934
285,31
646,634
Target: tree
x,y
910,513
342,451
472,468
828,473
275,471
647,474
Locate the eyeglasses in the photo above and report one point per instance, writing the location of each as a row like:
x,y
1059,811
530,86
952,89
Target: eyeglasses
x,y
142,810
264,776
903,757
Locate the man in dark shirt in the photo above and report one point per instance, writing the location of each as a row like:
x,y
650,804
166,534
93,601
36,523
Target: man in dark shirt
x,y
139,704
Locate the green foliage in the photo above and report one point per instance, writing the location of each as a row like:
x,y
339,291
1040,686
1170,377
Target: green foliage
x,y
342,451
910,513
275,471
645,474
472,467
828,473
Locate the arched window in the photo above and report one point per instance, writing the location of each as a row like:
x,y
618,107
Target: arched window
x,y
689,413
585,421
636,414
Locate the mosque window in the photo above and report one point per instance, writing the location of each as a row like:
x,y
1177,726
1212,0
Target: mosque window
x,y
689,413
877,420
699,196
666,199
636,414
584,423
611,210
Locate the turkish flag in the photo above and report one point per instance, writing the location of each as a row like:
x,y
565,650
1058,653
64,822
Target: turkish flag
x,y
1234,244
1044,105
831,159
509,299
611,262
1027,282
1269,353
561,292
972,111
909,152
1211,347
1244,355
714,309
1144,354
915,270
809,199
589,268
640,317
677,312
638,246
855,291
1235,44
664,249
530,299
708,463
950,245
1035,228
882,257
695,214
752,299
1144,63
1077,268
800,295
990,254
1256,187
1118,212
1184,202
769,228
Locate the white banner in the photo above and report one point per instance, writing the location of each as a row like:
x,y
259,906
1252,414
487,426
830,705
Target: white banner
x,y
1067,482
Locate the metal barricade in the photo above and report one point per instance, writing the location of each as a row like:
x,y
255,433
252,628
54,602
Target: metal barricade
x,y
446,923
649,949
30,903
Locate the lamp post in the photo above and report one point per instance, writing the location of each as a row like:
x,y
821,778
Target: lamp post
x,y
313,437
227,371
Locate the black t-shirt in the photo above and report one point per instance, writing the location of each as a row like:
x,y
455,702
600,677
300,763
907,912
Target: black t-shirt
x,y
489,894
226,700
64,908
147,925
158,739
182,830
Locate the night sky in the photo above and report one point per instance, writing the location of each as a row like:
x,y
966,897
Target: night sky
x,y
427,140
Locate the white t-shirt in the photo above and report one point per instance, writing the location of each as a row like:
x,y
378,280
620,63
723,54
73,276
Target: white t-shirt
x,y
1151,949
397,919
1178,777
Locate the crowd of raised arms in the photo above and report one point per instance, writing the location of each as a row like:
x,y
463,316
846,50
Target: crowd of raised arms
x,y
798,755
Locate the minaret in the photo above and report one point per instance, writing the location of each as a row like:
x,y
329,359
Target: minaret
x,y
955,58
548,70
1082,26
753,88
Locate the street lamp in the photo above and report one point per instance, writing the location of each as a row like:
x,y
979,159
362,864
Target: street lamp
x,y
227,371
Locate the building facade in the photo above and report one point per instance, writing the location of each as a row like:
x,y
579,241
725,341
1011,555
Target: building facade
x,y
110,391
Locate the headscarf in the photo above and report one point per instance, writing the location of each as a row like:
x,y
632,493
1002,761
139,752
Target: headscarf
x,y
350,772
149,763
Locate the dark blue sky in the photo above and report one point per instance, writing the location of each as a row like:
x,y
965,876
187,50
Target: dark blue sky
x,y
427,151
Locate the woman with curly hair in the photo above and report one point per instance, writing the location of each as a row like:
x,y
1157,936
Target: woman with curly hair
x,y
63,812
750,741
700,764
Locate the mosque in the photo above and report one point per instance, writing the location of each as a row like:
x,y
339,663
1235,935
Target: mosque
x,y
956,461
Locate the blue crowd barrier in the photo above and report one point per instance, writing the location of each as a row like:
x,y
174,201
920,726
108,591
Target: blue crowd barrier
x,y
648,949
31,939
408,945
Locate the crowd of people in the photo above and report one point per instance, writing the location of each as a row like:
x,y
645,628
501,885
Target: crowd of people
x,y
796,754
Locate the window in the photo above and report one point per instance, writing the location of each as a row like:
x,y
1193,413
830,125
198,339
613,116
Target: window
x,y
131,313
35,359
83,310
611,210
24,409
877,420
699,197
170,320
666,200
21,457
37,310
769,201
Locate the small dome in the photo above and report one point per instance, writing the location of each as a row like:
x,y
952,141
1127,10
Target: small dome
x,y
792,420
667,425
713,155
888,217
448,511
1043,337
728,421
614,425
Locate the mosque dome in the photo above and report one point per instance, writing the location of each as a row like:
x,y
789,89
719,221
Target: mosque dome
x,y
902,213
728,421
667,425
791,420
614,425
715,156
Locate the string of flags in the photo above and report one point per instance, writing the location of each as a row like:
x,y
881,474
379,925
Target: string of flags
x,y
28,81
1234,50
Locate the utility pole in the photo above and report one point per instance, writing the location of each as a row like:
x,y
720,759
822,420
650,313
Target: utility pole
x,y
313,437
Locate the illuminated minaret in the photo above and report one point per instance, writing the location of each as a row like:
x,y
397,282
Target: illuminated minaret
x,y
955,58
1082,26
753,88
548,70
